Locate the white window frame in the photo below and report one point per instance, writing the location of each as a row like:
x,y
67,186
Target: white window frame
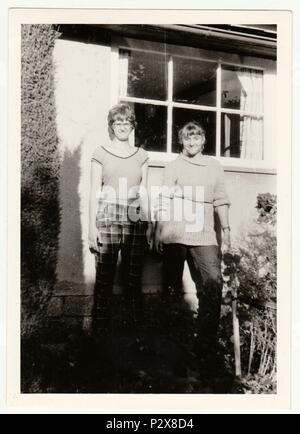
x,y
221,58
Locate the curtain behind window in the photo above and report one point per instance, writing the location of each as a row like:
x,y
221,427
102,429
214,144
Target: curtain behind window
x,y
251,128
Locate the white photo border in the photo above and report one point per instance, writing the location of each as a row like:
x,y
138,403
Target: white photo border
x,y
146,403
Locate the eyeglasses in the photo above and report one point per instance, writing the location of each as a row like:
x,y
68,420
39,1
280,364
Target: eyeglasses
x,y
122,124
194,136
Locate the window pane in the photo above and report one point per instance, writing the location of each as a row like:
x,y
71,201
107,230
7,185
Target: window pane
x,y
242,89
151,130
205,118
194,82
242,136
143,75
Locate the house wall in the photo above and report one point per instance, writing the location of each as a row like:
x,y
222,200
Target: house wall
x,y
83,98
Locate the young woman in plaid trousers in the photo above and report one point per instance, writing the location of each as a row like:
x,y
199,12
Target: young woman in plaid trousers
x,y
118,215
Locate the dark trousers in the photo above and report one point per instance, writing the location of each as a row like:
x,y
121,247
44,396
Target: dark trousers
x,y
205,267
129,238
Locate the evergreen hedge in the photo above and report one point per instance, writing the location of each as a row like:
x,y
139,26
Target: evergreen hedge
x,y
40,213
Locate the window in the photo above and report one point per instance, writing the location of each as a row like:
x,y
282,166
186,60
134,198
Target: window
x,y
167,90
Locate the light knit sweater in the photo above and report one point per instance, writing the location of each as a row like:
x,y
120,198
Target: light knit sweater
x,y
185,177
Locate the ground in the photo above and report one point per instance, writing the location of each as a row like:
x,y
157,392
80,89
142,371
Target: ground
x,y
158,355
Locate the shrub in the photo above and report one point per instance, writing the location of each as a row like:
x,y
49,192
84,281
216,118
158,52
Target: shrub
x,y
255,264
39,173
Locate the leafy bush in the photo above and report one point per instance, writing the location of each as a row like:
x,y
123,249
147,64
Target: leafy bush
x,y
254,263
257,249
39,173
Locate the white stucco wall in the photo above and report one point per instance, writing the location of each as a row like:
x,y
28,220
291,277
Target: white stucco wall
x,y
82,101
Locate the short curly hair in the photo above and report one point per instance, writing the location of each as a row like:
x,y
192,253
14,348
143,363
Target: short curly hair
x,y
189,129
121,111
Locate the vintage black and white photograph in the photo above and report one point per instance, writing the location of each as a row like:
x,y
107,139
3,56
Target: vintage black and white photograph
x,y
148,208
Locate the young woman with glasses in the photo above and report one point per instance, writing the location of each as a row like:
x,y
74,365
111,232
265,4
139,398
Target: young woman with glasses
x,y
118,215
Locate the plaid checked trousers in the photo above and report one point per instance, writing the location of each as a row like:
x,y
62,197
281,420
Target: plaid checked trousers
x,y
117,233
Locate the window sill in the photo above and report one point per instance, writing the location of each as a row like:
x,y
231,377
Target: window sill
x,y
159,160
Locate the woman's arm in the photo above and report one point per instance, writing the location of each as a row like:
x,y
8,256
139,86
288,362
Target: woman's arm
x,y
144,197
223,213
145,202
95,183
221,204
168,184
224,221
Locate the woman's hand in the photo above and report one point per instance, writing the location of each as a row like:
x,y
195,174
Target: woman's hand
x,y
94,240
226,241
149,236
158,241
